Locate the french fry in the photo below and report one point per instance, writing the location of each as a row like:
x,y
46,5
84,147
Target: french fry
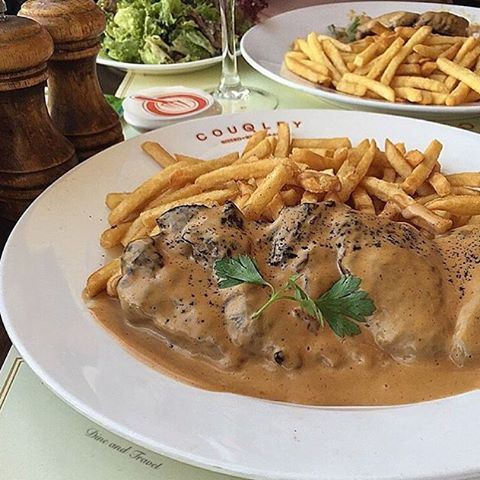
x,y
112,283
322,70
459,95
114,198
409,69
254,140
430,51
135,231
318,55
410,209
457,204
187,159
404,32
310,197
343,47
241,171
439,77
265,193
351,88
390,210
362,201
468,179
144,193
451,51
313,160
433,98
460,73
113,236
333,143
291,197
422,171
474,220
396,160
380,89
418,37
380,29
304,48
472,97
317,182
183,176
149,217
261,150
440,184
334,55
383,60
444,40
297,55
97,281
413,58
389,175
465,58
419,82
360,45
300,69
428,68
464,191
158,153
420,216
367,55
273,209
174,194
352,174
408,93
283,144
414,157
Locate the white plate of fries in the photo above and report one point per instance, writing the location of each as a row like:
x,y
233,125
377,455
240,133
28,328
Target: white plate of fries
x,y
327,154
406,71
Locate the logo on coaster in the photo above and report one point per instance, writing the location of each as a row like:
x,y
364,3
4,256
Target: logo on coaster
x,y
173,104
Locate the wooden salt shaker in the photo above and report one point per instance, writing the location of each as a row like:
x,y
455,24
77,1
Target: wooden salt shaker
x,y
33,153
76,103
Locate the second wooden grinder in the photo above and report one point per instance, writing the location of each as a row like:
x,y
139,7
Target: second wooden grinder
x,y
76,103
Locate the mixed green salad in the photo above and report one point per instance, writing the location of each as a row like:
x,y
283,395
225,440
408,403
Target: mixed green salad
x,y
169,31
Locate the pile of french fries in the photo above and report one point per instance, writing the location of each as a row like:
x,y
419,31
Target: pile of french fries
x,y
407,65
277,171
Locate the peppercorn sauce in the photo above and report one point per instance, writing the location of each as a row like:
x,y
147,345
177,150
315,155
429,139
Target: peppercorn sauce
x,y
421,343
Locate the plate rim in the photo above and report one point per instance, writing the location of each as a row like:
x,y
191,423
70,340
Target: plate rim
x,y
122,431
159,68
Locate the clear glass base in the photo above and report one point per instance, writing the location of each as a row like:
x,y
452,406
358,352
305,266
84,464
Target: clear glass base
x,y
245,99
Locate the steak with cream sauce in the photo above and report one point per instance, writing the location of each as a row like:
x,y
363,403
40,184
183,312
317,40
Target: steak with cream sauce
x,y
427,310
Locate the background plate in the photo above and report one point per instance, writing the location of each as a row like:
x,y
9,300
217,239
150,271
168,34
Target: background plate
x,y
55,246
264,46
166,69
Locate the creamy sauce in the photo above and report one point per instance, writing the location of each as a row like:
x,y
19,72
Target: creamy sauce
x,y
423,341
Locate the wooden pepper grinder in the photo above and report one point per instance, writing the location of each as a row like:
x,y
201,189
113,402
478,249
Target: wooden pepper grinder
x,y
76,103
33,153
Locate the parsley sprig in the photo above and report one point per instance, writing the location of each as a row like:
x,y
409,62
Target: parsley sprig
x,y
342,306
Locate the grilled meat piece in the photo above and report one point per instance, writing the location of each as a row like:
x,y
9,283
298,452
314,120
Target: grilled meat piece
x,y
444,23
389,20
169,286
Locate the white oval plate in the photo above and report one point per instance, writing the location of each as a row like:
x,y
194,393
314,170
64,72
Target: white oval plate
x,y
54,247
279,32
160,69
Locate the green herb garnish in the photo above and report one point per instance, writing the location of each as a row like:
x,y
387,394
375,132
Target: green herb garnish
x,y
238,270
347,34
342,306
351,30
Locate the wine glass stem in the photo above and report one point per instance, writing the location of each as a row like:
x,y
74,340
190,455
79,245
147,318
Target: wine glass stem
x,y
230,80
